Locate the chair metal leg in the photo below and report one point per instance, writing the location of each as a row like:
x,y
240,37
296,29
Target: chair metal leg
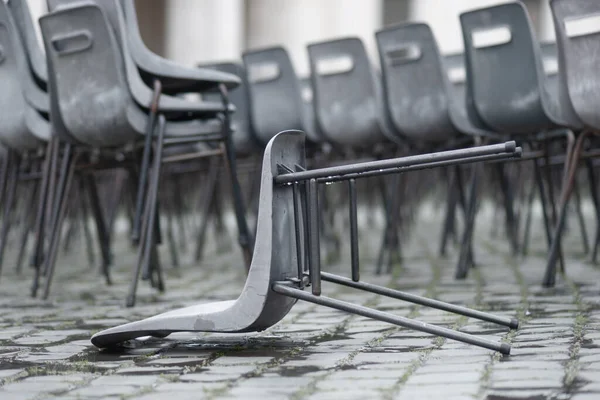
x,y
4,168
465,260
85,216
101,227
584,236
41,213
209,190
287,290
512,323
389,251
571,166
596,201
14,162
61,205
451,202
171,242
147,234
508,201
552,192
142,181
179,208
28,225
244,238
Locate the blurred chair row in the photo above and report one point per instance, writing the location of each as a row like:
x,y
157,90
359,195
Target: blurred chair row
x,y
505,85
100,99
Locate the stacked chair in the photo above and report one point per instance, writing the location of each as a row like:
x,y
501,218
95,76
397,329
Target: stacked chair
x,y
98,100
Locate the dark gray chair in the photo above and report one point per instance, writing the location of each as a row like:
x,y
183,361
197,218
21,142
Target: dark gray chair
x,y
346,95
425,108
414,84
577,39
244,141
280,271
502,52
274,93
80,43
24,131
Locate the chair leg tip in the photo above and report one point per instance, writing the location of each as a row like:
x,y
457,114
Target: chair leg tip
x,y
514,323
505,349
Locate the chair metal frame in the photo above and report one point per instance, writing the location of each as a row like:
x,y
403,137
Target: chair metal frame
x,y
286,259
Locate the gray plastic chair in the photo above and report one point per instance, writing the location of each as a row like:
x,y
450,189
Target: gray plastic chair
x,y
274,93
24,131
346,95
174,77
243,139
24,22
414,84
92,92
284,263
21,127
576,27
501,52
577,41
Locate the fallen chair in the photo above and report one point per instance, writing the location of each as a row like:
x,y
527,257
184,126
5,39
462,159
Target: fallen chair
x,y
286,256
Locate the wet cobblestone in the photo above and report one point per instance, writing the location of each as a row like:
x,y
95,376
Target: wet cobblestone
x,y
314,353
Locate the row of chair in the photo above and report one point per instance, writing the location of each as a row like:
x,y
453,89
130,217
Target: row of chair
x,y
99,97
505,85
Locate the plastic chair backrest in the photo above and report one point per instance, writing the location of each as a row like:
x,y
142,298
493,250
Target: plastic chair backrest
x,y
274,93
504,69
243,138
414,87
24,21
14,132
347,109
88,86
577,26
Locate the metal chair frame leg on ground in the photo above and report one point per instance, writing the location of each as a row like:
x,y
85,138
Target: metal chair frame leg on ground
x,y
286,258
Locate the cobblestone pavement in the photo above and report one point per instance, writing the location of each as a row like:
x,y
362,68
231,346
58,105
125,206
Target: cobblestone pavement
x,y
314,353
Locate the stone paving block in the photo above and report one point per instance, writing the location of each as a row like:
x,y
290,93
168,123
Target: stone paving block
x,y
343,356
29,385
103,392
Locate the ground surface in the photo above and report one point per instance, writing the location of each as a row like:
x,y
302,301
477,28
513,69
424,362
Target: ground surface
x,y
314,353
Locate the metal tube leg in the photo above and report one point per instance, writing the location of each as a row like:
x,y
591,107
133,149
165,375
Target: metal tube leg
x,y
315,244
527,225
554,253
542,191
596,201
62,201
101,227
584,236
286,290
5,166
141,191
13,177
551,194
84,222
465,258
512,323
28,224
507,198
353,231
40,218
147,232
207,201
171,238
451,201
244,238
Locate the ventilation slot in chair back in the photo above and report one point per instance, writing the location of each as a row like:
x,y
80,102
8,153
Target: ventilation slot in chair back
x,y
275,102
413,83
344,94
